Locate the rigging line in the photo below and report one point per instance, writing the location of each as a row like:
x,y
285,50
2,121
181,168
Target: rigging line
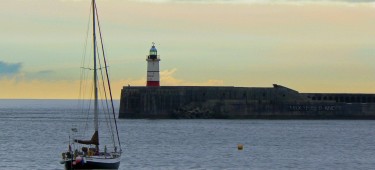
x,y
109,84
106,98
82,89
82,78
83,59
85,88
87,35
85,85
88,111
107,119
104,89
86,80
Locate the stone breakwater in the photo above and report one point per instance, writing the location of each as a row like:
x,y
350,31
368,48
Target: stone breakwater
x,y
277,102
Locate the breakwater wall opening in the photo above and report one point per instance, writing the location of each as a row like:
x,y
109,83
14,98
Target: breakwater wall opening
x,y
240,102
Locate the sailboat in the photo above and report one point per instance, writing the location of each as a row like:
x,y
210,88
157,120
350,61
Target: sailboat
x,y
91,153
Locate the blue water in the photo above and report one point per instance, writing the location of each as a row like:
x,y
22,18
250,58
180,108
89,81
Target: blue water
x,y
35,132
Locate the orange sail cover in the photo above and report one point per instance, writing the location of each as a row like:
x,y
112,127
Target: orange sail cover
x,y
94,140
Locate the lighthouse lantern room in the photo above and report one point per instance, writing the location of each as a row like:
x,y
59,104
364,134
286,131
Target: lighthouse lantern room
x,y
153,77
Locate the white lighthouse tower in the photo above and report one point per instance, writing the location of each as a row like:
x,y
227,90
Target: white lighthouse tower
x,y
153,77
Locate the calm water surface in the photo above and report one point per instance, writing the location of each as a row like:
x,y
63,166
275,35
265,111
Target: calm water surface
x,y
35,132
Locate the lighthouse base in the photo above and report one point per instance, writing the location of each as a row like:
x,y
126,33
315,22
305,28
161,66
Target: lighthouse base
x,y
153,83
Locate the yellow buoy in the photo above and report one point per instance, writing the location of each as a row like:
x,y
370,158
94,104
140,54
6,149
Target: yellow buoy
x,y
240,147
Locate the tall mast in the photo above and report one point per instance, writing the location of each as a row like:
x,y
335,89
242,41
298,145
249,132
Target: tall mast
x,y
96,123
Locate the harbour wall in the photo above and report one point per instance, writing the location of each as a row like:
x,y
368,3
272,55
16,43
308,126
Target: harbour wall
x,y
277,102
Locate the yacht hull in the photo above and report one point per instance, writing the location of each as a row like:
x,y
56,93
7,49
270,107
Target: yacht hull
x,y
92,164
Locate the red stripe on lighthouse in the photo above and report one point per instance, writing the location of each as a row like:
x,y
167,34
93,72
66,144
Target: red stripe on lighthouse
x,y
153,83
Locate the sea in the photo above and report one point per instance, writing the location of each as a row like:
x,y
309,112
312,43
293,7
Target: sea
x,y
33,134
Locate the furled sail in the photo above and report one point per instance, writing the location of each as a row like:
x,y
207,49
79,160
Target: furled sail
x,y
94,140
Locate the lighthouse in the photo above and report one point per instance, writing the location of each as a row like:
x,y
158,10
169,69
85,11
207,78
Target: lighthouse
x,y
153,78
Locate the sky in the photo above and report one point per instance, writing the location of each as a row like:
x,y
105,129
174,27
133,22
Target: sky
x,y
307,45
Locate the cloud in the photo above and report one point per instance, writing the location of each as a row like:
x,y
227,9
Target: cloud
x,y
9,68
48,75
38,89
13,71
167,79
